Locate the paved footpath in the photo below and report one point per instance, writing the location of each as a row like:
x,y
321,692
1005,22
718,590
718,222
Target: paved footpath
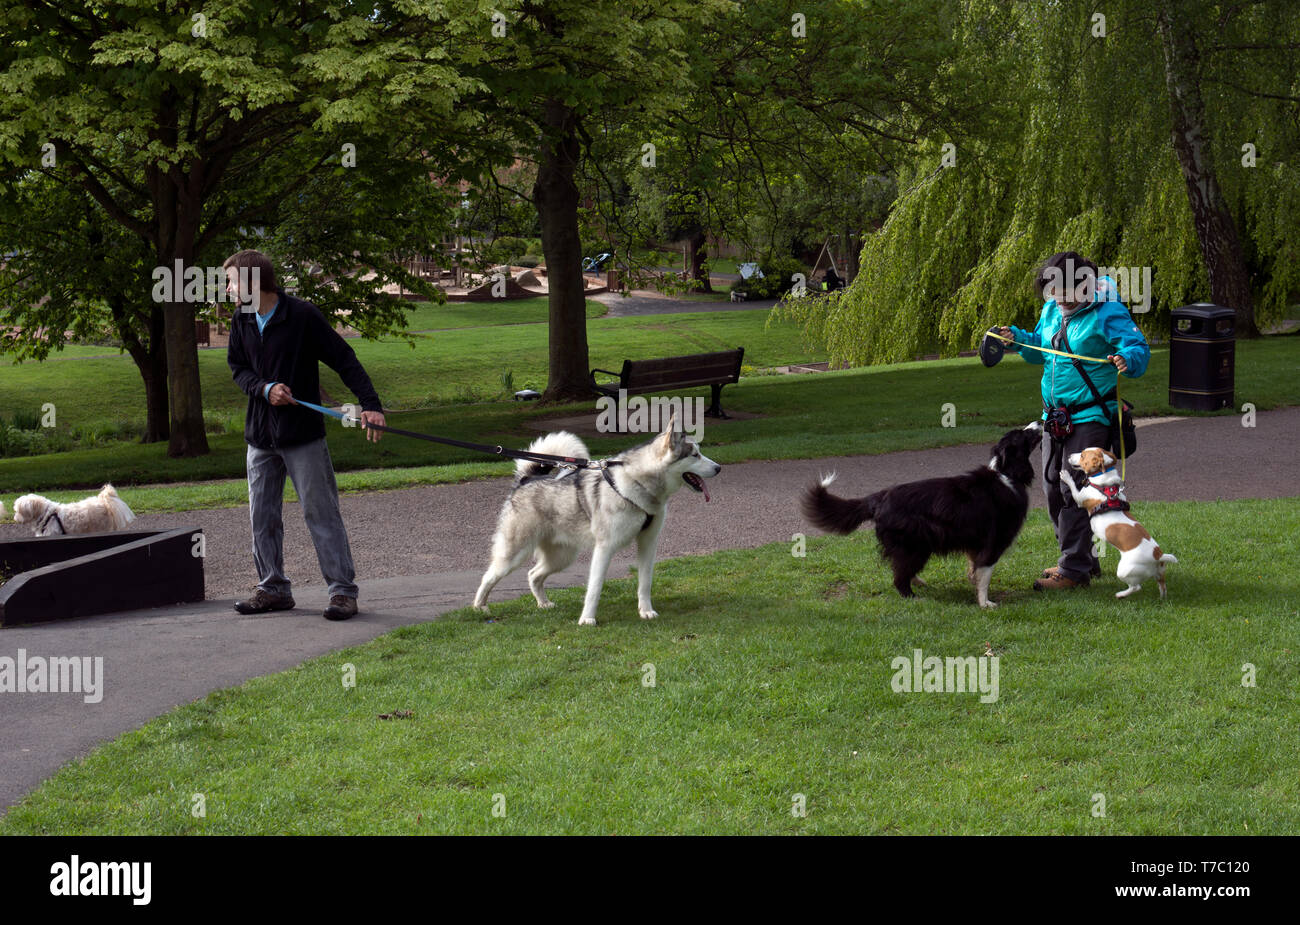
x,y
420,553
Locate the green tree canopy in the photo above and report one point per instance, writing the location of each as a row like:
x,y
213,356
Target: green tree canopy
x,y
192,124
1073,152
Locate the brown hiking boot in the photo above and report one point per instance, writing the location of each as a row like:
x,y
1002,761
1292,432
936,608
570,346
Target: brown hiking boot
x,y
263,600
341,608
1057,582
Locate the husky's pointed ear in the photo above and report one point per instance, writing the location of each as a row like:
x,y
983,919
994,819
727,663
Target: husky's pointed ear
x,y
672,435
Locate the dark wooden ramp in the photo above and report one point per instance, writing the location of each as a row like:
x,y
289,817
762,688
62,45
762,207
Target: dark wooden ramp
x,y
62,577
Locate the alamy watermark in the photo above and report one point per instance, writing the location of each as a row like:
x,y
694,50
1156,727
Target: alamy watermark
x,y
1081,283
930,674
638,415
58,674
203,285
76,877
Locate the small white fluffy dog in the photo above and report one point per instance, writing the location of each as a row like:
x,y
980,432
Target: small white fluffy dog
x,y
105,511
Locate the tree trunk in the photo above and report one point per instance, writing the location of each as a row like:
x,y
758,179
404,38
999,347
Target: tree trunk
x,y
177,194
184,390
149,354
556,196
151,360
1216,232
187,435
157,425
695,243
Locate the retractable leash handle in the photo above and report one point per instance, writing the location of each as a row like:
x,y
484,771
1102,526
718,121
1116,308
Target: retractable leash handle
x,y
1119,399
1060,353
562,462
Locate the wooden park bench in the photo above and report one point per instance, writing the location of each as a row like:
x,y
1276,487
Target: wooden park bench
x,y
684,372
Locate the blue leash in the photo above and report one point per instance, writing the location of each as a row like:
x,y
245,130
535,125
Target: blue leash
x,y
331,412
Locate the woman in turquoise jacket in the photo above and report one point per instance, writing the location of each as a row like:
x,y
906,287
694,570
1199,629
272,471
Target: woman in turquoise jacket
x,y
1082,314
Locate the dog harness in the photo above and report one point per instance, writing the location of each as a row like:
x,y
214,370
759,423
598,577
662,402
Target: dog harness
x,y
649,518
609,479
1113,501
45,522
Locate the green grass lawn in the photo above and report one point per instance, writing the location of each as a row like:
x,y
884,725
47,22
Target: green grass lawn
x,y
459,365
772,678
467,363
93,384
426,316
870,410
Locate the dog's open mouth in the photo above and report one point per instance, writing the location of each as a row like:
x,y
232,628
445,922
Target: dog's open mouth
x,y
697,483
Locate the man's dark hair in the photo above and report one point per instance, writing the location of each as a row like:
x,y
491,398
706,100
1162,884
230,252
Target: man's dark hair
x,y
250,259
1055,267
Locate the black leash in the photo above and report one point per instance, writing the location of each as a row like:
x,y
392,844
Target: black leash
x,y
562,462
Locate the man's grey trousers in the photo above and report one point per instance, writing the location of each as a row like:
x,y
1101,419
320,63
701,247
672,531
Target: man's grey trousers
x,y
312,471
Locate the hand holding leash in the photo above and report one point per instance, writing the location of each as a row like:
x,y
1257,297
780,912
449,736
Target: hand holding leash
x,y
280,395
376,418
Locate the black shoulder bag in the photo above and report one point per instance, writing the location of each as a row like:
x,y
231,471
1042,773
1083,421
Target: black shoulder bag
x,y
1129,434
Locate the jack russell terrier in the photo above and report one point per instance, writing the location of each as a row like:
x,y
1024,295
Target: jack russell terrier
x,y
1107,506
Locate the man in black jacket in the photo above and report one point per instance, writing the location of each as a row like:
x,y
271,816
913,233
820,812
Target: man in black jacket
x,y
276,342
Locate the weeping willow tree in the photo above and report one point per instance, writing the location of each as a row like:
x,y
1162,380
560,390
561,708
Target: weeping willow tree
x,y
1084,146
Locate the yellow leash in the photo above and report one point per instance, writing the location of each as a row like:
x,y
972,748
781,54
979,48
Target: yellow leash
x,y
1119,401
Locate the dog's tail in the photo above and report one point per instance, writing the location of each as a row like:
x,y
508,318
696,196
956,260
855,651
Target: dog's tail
x,y
1166,558
117,508
560,443
834,514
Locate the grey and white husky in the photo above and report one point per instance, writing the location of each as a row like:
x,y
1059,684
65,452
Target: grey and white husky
x,y
560,513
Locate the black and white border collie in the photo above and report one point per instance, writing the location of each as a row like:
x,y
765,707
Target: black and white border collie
x,y
979,513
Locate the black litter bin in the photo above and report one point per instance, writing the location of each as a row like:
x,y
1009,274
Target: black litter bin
x,y
1202,350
